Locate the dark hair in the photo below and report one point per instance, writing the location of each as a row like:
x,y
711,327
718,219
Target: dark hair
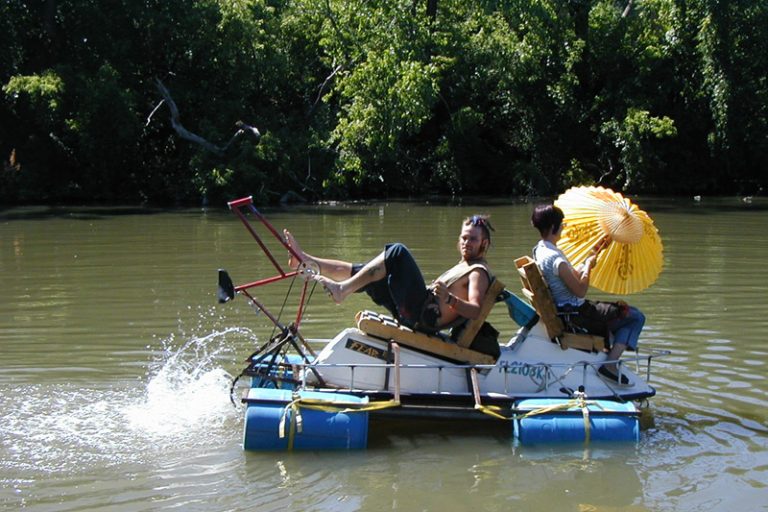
x,y
547,218
482,222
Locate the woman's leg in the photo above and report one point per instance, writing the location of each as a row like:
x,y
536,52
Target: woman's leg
x,y
626,332
615,353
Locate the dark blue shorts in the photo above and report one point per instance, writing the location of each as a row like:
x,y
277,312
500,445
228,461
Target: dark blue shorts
x,y
403,291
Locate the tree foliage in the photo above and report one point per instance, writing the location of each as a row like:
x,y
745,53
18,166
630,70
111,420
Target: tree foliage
x,y
390,98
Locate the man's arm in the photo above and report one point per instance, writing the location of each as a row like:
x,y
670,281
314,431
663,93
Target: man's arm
x,y
477,286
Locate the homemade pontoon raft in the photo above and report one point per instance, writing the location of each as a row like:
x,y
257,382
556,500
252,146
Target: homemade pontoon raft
x,y
543,382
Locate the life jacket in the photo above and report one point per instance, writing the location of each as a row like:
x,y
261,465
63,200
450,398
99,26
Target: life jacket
x,y
461,269
430,311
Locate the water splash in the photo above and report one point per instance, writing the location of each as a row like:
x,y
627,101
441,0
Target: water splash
x,y
187,391
182,405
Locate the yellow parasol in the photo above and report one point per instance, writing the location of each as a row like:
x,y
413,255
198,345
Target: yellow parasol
x,y
632,260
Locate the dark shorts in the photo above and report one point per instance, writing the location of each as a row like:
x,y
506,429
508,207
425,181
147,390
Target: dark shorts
x,y
403,291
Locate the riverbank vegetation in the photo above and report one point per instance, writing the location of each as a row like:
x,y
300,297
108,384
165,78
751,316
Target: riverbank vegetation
x,y
174,101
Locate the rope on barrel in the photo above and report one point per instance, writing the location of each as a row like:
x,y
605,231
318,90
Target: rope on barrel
x,y
331,406
579,400
292,411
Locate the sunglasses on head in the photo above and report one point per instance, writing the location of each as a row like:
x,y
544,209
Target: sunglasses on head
x,y
477,220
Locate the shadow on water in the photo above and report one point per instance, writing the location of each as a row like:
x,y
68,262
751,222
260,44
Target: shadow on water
x,y
75,213
385,433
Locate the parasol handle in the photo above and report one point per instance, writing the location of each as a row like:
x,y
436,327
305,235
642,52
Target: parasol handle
x,y
602,244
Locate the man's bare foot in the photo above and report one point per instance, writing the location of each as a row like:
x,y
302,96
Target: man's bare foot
x,y
334,289
294,262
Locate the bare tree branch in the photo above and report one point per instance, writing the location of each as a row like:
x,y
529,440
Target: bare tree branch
x,y
192,137
627,9
323,86
149,117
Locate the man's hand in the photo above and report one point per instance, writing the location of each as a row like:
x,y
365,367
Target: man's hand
x,y
440,290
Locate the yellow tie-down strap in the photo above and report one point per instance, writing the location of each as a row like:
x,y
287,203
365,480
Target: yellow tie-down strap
x,y
579,400
318,404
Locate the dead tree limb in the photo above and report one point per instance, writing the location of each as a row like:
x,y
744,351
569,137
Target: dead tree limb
x,y
323,86
157,107
627,9
242,128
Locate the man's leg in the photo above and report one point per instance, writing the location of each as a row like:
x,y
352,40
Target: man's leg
x,y
335,269
392,280
372,271
405,285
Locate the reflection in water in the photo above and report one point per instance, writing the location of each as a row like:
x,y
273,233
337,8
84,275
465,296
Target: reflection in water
x,y
449,473
100,408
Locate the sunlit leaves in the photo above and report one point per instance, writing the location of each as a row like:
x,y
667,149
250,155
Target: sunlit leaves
x,y
359,97
631,136
43,90
384,100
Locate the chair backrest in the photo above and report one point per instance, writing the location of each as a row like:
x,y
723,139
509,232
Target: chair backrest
x,y
537,291
387,328
473,326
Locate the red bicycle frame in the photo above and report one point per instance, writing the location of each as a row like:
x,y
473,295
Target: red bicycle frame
x,y
237,207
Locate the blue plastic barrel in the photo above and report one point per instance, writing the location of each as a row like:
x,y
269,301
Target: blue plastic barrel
x,y
320,430
608,421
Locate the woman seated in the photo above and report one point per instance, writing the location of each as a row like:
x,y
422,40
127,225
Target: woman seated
x,y
569,286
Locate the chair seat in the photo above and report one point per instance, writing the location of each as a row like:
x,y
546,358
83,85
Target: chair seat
x,y
387,328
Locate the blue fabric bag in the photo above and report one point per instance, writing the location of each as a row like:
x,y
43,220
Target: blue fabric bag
x,y
519,310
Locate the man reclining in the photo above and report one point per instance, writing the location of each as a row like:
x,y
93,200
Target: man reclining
x,y
394,281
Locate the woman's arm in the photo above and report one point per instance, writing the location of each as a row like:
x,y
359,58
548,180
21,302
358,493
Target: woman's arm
x,y
577,280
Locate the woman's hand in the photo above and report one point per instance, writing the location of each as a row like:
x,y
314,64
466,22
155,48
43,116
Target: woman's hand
x,y
591,260
602,244
589,263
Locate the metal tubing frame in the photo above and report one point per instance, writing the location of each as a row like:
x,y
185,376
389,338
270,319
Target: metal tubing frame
x,y
476,367
247,202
